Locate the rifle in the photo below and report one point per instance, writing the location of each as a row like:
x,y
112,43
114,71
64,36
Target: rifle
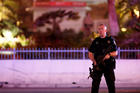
x,y
90,72
99,60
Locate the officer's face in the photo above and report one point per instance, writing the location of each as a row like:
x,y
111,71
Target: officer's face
x,y
102,30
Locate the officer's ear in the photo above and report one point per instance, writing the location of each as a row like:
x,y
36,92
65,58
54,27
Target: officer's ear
x,y
108,33
105,27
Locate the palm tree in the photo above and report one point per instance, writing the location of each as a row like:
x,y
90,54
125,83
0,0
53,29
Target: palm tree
x,y
113,21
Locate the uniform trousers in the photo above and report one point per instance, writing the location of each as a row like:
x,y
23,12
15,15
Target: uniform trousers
x,y
109,77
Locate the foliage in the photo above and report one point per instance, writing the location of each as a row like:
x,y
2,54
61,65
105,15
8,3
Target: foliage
x,y
130,20
66,39
8,9
125,11
11,35
54,18
55,37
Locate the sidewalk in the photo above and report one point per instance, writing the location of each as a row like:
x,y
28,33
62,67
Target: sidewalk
x,y
65,90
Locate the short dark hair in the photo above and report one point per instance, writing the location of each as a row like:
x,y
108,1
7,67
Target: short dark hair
x,y
103,25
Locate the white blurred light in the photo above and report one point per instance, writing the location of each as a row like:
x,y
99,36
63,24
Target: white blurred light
x,y
6,52
123,29
7,34
8,39
88,8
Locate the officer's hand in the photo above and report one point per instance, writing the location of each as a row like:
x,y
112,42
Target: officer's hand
x,y
106,57
95,63
96,68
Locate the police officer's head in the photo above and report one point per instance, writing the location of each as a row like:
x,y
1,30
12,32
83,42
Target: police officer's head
x,y
102,29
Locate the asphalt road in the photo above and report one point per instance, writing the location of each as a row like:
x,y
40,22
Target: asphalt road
x,y
65,90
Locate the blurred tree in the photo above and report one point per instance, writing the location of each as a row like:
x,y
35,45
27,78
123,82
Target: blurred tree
x,y
10,33
25,14
8,10
54,18
128,12
54,36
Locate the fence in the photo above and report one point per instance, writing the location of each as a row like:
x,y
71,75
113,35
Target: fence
x,y
59,53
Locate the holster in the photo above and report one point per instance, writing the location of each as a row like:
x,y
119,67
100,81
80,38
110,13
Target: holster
x,y
111,63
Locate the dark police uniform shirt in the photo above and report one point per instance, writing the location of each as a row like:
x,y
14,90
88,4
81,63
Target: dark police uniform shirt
x,y
100,45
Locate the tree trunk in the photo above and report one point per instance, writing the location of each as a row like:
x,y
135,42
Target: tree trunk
x,y
113,21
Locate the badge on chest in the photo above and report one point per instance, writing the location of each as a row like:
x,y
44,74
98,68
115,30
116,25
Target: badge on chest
x,y
108,41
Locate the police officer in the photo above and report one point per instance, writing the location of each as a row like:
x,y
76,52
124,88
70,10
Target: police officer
x,y
98,48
